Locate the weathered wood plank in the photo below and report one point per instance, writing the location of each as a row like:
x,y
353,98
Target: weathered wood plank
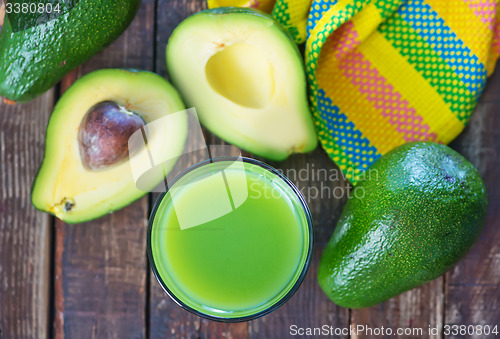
x,y
169,13
167,320
25,234
100,266
472,287
326,193
415,311
100,276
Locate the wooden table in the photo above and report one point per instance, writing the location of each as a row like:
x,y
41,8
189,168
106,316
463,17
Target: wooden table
x,y
93,280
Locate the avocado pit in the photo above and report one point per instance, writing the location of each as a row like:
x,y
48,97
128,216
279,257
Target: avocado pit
x,y
104,133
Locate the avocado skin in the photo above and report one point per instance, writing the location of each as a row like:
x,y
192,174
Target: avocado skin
x,y
35,59
415,222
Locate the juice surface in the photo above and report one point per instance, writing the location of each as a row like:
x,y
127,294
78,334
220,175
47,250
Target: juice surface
x,y
241,262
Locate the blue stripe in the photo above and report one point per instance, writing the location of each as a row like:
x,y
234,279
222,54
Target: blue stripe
x,y
339,123
317,12
447,45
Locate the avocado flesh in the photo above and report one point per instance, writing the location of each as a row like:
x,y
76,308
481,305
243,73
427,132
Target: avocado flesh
x,y
35,59
245,77
415,214
63,177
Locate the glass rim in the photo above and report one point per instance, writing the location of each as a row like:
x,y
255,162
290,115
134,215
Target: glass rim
x,y
309,230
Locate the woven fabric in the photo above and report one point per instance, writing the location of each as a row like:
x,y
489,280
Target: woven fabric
x,y
385,72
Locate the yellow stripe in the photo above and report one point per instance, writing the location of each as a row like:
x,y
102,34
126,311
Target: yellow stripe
x,y
468,27
366,21
328,18
494,50
412,86
337,154
357,107
299,10
494,55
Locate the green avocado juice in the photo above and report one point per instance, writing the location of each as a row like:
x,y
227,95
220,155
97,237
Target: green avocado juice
x,y
230,240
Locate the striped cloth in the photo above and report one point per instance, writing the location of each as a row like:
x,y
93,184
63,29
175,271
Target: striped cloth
x,y
385,72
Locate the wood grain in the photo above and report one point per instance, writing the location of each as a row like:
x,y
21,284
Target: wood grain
x,y
414,311
100,266
473,286
25,234
169,13
101,269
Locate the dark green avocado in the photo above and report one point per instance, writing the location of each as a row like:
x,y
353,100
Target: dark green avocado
x,y
32,60
415,214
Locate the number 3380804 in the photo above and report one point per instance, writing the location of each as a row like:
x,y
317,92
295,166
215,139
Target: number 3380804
x,y
485,330
31,8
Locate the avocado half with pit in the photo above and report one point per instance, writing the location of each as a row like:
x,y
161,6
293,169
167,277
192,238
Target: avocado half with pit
x,y
86,171
245,77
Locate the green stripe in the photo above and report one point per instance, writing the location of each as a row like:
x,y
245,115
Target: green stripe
x,y
430,65
312,55
387,7
281,14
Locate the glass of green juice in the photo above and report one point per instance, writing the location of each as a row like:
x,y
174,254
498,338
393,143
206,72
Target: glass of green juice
x,y
230,239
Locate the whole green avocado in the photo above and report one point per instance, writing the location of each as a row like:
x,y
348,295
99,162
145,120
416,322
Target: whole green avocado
x,y
34,59
416,213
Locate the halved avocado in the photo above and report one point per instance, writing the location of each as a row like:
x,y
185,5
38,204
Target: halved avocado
x,y
246,79
86,171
